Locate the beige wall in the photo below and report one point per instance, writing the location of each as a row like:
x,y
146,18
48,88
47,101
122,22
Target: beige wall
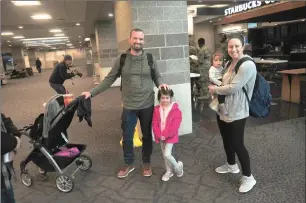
x,y
47,58
205,30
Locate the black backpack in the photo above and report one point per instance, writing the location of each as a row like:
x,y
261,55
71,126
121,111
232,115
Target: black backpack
x,y
150,63
260,103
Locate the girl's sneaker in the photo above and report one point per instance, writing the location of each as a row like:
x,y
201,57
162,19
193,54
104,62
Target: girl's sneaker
x,y
180,170
167,176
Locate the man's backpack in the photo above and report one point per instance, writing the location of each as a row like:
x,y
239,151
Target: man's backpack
x,y
260,103
150,63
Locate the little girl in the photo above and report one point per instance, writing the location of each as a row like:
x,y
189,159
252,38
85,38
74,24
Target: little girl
x,y
167,118
215,77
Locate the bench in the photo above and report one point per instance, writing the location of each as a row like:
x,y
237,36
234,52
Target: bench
x,y
291,84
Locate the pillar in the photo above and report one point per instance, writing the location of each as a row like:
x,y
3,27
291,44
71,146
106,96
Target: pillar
x,y
1,64
18,57
107,48
32,58
165,25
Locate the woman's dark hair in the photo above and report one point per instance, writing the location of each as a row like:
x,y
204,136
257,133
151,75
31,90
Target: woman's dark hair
x,y
164,92
237,36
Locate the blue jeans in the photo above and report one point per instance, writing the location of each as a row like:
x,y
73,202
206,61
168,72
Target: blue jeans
x,y
129,121
7,196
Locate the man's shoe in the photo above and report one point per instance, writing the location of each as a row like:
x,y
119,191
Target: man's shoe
x,y
125,171
147,170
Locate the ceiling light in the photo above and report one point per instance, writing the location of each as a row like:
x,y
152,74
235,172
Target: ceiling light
x,y
26,3
87,39
59,35
219,5
10,45
79,36
18,37
80,42
78,24
41,17
275,24
69,44
55,30
20,27
6,33
9,41
303,20
110,15
44,38
210,21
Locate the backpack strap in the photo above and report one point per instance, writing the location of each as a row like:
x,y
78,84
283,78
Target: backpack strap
x,y
122,62
151,64
239,63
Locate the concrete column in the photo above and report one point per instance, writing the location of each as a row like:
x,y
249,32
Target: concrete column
x,y
32,58
18,56
1,64
165,25
107,48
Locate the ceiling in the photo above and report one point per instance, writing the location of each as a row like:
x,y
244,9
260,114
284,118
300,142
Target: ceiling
x,y
65,15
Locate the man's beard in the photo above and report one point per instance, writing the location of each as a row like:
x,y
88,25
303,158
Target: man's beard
x,y
137,48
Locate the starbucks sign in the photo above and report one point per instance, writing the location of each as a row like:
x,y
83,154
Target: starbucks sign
x,y
245,7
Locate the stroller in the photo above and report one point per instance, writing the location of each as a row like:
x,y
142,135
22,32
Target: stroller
x,y
46,145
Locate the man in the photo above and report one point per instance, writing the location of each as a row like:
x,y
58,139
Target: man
x,y
38,65
60,74
138,99
223,42
204,65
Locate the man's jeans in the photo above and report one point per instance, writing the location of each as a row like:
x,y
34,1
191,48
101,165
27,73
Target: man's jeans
x,y
129,121
7,196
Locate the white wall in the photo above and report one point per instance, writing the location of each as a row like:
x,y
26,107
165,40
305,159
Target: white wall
x,y
205,30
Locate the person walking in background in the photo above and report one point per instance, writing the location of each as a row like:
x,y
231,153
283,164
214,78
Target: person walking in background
x,y
38,65
167,118
232,125
204,65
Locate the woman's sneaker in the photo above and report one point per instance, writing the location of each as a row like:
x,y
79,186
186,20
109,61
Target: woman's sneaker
x,y
167,176
247,183
226,168
180,170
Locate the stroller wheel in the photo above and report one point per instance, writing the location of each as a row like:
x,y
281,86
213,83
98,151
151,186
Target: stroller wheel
x,y
26,179
84,162
64,183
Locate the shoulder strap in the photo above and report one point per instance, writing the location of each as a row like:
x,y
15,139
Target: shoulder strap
x,y
151,64
122,61
239,63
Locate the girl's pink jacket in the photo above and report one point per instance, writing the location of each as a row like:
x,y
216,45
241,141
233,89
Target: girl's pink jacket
x,y
173,122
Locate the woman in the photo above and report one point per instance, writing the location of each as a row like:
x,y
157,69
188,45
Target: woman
x,y
232,125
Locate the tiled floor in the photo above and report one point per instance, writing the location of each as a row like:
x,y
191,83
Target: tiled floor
x,y
276,145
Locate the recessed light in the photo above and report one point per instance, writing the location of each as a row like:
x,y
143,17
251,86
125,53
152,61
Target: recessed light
x,y
275,24
55,30
219,18
78,24
10,45
110,15
26,3
80,42
79,36
87,39
43,16
303,20
59,35
18,37
6,33
20,27
210,21
69,44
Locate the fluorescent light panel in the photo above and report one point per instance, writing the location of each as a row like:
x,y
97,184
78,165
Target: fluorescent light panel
x,y
44,38
59,35
18,37
43,16
26,3
6,33
55,30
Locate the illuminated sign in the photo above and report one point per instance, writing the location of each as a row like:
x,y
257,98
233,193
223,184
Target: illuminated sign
x,y
246,6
